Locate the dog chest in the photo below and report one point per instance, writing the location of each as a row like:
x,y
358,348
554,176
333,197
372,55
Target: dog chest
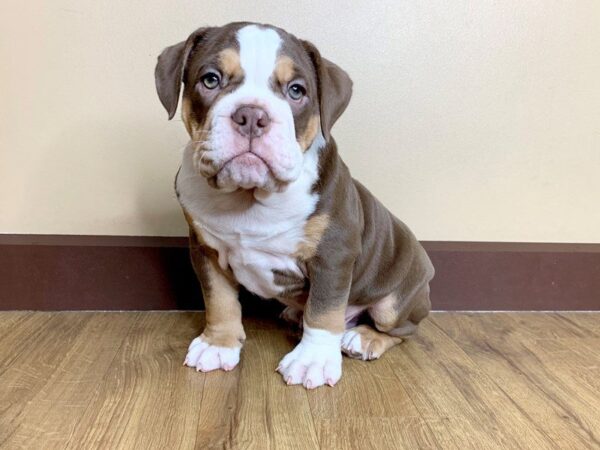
x,y
254,262
252,238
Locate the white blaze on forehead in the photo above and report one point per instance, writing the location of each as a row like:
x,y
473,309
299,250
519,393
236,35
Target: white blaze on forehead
x,y
258,53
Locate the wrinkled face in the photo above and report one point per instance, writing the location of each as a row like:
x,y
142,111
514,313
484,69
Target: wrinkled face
x,y
250,106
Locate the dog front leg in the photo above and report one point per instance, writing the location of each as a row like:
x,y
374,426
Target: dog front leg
x,y
219,345
317,359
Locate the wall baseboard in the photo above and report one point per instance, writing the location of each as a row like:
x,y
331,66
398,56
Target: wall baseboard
x,y
64,272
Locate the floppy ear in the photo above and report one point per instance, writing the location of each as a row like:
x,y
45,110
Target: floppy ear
x,y
169,71
334,88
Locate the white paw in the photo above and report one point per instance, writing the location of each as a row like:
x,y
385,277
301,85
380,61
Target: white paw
x,y
315,361
205,357
351,344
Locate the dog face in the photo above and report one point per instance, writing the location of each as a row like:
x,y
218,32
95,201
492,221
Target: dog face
x,y
254,100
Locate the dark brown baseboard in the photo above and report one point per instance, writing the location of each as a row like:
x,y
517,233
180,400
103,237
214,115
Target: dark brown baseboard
x,y
42,272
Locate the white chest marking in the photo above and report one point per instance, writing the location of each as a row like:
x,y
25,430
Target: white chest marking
x,y
252,238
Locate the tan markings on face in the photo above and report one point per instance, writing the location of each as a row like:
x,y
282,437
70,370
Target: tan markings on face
x,y
284,69
197,130
187,116
313,232
229,60
309,134
332,320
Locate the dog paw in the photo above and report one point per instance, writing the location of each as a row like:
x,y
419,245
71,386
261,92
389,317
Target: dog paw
x,y
364,343
205,357
313,364
352,344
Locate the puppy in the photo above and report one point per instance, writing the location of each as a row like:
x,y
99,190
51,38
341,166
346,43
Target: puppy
x,y
272,207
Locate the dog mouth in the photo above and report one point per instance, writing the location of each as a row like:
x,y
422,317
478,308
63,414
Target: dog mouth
x,y
246,171
246,165
247,158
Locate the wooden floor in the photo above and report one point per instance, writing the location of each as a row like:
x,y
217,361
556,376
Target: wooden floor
x,y
478,381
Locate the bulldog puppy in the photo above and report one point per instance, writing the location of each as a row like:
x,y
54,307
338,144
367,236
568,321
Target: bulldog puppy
x,y
272,207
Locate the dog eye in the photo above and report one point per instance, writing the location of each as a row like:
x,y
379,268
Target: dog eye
x,y
296,91
210,80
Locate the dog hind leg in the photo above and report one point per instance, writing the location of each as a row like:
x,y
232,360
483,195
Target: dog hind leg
x,y
394,320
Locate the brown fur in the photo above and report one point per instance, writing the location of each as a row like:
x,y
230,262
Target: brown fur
x,y
400,317
394,319
284,69
365,255
294,288
307,137
385,312
331,320
223,310
373,343
229,60
355,251
313,231
187,115
220,291
197,129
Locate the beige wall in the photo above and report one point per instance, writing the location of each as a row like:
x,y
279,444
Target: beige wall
x,y
472,120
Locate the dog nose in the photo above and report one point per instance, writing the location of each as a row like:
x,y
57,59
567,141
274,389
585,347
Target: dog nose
x,y
251,121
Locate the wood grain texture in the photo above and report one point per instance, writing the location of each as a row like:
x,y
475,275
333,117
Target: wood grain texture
x,y
525,353
467,381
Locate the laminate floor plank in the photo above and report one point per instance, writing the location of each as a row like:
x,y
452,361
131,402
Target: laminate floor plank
x,y
379,399
147,399
269,414
10,319
446,384
51,416
508,347
31,356
584,320
94,380
21,337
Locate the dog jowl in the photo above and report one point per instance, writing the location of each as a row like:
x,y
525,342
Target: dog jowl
x,y
272,207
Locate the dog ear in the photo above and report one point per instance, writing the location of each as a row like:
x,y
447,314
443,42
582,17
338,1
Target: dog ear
x,y
170,69
334,88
